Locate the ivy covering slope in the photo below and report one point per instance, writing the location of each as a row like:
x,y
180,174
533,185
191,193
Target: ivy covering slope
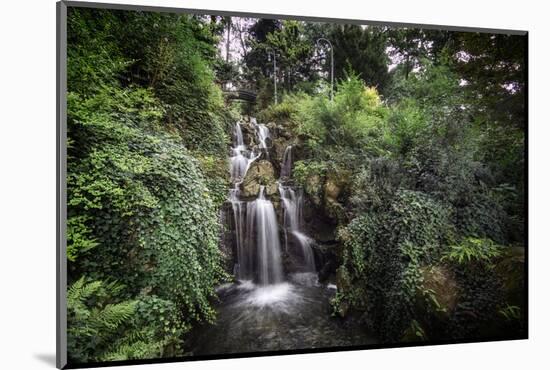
x,y
143,117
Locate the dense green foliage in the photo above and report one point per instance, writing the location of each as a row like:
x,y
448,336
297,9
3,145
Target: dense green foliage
x,y
421,183
102,329
145,125
382,255
415,169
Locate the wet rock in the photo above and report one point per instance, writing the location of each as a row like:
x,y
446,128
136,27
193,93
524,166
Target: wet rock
x,y
335,210
440,282
335,184
332,189
279,147
260,173
327,259
313,189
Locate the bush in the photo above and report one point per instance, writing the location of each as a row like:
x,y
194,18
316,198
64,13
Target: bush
x,y
285,111
355,120
375,183
472,261
102,327
143,193
382,255
473,249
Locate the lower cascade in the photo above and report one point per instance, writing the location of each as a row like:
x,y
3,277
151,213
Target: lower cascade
x,y
293,221
263,232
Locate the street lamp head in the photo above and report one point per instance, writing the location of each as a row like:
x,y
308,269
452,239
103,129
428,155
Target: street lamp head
x,y
319,40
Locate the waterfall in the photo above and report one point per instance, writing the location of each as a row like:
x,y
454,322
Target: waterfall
x,y
293,223
244,264
239,163
239,135
255,222
262,133
241,157
263,233
293,205
286,166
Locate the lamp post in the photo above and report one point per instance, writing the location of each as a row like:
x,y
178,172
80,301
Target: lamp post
x,y
269,53
331,65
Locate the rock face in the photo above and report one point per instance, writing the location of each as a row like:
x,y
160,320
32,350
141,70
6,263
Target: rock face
x,y
260,173
440,281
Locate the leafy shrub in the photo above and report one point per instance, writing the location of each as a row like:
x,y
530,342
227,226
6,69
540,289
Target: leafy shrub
x,y
382,255
483,217
481,296
148,198
375,183
356,118
215,176
104,328
408,126
303,170
94,324
284,111
473,249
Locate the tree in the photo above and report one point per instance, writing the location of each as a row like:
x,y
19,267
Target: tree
x,y
363,49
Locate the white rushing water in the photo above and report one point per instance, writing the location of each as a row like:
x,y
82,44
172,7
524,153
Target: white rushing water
x,y
244,265
263,232
293,204
241,157
262,133
239,163
286,167
255,222
265,310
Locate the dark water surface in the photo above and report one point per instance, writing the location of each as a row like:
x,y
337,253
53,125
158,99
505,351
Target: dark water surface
x,y
285,316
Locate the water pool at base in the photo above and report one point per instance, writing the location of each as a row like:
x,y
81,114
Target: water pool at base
x,y
287,316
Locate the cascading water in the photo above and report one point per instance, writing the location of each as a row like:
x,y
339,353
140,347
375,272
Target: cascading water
x,y
293,221
263,232
243,268
239,163
263,134
293,203
286,167
241,157
256,230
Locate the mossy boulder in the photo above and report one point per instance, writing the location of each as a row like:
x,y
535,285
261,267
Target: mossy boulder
x,y
439,292
260,173
312,187
336,183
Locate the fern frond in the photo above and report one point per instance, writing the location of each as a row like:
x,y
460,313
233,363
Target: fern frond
x,y
80,290
112,316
